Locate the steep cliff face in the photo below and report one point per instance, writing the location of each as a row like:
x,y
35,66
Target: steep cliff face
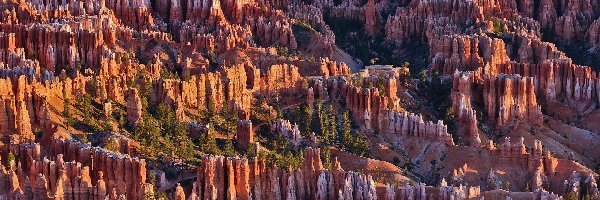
x,y
511,97
75,171
244,133
423,19
243,179
227,36
593,34
280,78
461,103
559,79
134,107
409,124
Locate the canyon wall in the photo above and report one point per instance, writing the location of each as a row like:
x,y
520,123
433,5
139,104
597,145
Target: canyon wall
x,y
71,170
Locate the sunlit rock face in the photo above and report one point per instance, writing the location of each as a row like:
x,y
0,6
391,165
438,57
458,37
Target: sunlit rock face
x,y
290,99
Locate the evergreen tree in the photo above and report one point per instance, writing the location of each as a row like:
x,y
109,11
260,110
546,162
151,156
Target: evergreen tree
x,y
211,112
324,127
359,80
86,108
68,116
11,157
570,196
228,149
184,147
360,145
112,145
332,122
298,116
326,158
381,84
148,134
250,152
305,127
144,91
208,144
346,138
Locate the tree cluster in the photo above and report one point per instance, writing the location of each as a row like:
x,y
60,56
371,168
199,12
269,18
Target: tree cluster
x,y
161,133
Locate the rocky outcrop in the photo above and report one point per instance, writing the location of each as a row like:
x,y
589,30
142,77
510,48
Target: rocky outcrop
x,y
593,35
348,10
122,172
466,53
226,37
287,130
333,68
134,108
559,79
534,161
509,98
424,19
313,15
136,14
221,177
280,78
76,171
179,194
83,46
409,124
580,182
22,108
378,111
461,104
373,18
419,191
244,133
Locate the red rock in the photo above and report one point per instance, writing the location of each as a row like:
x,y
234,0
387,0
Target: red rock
x,y
179,194
593,34
280,78
511,97
461,103
244,133
134,107
409,124
372,18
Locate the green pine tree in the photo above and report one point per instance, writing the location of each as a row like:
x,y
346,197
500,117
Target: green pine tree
x,y
184,147
148,134
208,144
323,123
360,145
228,149
68,116
326,158
332,122
346,139
305,126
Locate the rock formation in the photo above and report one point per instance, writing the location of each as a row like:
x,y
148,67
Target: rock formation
x,y
505,59
409,124
134,107
289,131
76,171
253,179
244,133
511,97
461,102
